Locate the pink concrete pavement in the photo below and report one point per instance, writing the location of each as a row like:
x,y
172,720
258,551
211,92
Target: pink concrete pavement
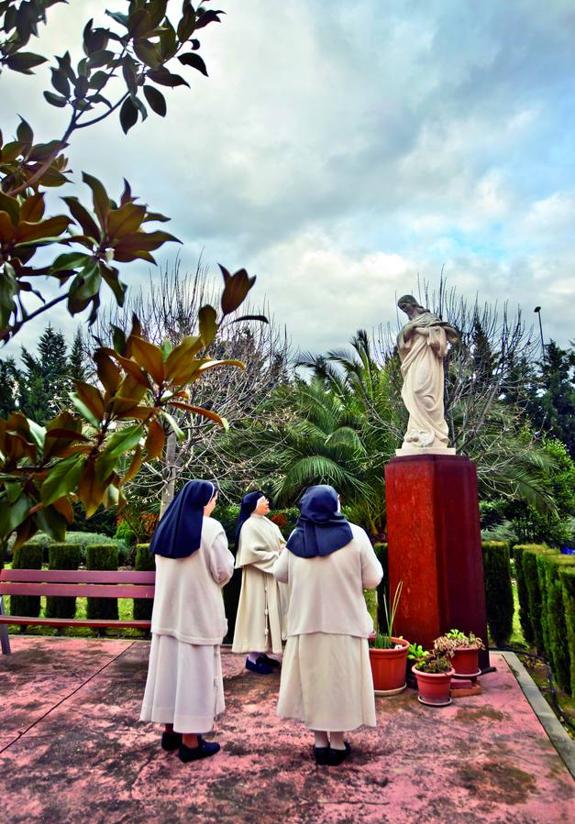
x,y
71,748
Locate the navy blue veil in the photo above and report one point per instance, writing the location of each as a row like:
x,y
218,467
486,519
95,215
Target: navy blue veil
x,y
179,532
320,528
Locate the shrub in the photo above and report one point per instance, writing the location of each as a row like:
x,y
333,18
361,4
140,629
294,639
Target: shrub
x,y
530,569
498,590
567,578
62,556
553,618
27,556
144,562
231,600
522,593
125,533
102,556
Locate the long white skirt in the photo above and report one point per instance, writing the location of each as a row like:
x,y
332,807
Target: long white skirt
x,y
185,685
326,682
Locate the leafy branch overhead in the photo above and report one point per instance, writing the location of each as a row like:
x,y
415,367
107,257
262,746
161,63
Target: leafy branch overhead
x,y
88,453
122,69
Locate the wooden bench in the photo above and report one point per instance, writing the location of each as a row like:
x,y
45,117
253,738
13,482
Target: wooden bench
x,y
72,582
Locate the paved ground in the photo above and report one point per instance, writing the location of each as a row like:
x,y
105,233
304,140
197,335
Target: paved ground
x,y
71,749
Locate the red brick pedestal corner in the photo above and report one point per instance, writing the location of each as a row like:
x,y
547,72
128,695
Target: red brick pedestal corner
x,y
434,547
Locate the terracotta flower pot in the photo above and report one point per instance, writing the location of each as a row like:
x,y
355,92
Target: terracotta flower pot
x,y
388,668
433,687
466,662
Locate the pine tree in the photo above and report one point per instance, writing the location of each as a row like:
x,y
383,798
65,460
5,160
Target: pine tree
x,y
554,409
77,358
9,380
45,377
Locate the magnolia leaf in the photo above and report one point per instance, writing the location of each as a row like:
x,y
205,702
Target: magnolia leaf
x,y
208,324
62,479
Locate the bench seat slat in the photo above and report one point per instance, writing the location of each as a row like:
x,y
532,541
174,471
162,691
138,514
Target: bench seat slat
x,y
95,623
79,590
77,576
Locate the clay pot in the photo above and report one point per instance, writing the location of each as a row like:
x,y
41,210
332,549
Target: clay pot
x,y
466,662
433,687
388,668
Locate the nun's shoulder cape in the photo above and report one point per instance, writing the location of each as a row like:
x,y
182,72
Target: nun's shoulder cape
x,y
258,538
320,528
179,533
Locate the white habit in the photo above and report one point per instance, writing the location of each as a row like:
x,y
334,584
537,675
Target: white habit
x,y
260,623
326,679
185,686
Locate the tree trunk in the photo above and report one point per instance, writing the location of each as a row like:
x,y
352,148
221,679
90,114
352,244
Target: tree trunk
x,y
170,473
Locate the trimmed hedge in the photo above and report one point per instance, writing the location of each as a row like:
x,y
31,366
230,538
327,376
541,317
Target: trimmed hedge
x,y
62,556
102,556
567,578
553,616
144,562
525,614
498,590
26,557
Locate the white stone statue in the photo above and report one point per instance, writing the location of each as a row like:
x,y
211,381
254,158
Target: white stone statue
x,y
423,344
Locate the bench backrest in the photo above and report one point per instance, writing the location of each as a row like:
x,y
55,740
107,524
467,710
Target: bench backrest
x,y
75,582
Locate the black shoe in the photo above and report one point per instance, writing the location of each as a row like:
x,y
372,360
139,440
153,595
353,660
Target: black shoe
x,y
336,757
321,755
270,662
260,667
203,750
171,741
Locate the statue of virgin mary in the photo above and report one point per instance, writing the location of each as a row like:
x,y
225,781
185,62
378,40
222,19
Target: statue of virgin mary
x,y
422,345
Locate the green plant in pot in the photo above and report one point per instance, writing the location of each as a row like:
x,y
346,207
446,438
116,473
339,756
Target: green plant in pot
x,y
388,653
464,650
433,672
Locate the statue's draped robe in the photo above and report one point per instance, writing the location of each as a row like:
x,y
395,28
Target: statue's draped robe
x,y
423,377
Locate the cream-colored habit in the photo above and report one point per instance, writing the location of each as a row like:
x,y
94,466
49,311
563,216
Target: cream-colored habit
x,y
184,685
326,679
260,617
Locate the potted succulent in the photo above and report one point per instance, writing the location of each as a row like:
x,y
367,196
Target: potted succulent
x,y
464,651
388,654
433,671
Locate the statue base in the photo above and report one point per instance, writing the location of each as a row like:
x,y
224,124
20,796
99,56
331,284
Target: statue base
x,y
434,546
425,450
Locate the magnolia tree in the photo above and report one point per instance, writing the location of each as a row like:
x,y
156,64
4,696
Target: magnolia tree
x,y
89,451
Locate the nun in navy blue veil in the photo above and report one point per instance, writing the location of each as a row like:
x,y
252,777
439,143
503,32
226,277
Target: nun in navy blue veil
x,y
326,677
260,620
184,688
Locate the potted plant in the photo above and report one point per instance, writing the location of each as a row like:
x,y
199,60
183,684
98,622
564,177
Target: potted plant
x,y
433,671
464,651
388,654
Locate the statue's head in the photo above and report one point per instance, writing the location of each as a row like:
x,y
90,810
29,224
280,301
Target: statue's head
x,y
410,305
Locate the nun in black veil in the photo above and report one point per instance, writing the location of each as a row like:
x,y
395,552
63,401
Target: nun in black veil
x,y
184,689
326,679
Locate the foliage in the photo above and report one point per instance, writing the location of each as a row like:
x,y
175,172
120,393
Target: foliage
x,y
567,577
145,562
529,591
102,556
552,405
26,557
125,533
89,452
554,628
498,590
130,59
44,382
62,556
455,639
425,661
390,611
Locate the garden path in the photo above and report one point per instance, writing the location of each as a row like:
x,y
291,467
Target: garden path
x,y
71,747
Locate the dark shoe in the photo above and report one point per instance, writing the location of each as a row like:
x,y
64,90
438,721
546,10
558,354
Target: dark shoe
x,y
171,741
260,667
336,757
321,755
270,662
203,750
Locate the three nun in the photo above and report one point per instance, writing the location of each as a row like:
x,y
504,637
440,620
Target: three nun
x,y
326,679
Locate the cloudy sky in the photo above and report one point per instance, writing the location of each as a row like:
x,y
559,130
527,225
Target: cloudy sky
x,y
340,149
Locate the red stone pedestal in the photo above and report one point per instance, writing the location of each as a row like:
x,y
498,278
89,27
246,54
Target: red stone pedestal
x,y
434,547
